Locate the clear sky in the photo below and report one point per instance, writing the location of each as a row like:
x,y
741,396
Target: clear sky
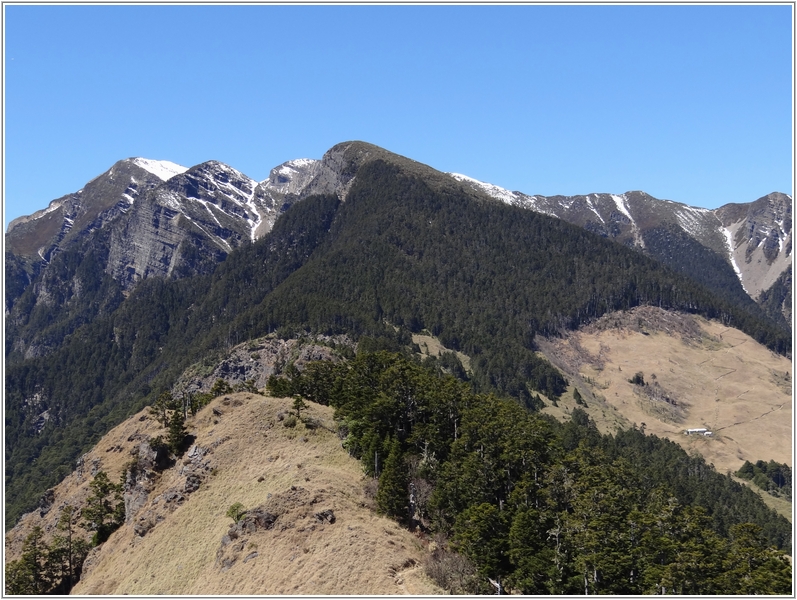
x,y
686,102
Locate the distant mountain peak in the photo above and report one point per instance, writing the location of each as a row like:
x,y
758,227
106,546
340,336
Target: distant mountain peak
x,y
221,204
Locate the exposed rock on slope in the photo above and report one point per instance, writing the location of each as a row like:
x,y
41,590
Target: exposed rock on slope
x,y
257,360
100,201
309,529
760,240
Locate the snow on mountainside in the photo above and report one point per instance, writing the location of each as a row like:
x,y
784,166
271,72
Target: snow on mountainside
x,y
189,222
759,238
755,238
291,177
162,212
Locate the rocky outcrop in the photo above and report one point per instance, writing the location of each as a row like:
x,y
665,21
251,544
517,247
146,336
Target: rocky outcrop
x,y
143,513
46,502
141,476
259,359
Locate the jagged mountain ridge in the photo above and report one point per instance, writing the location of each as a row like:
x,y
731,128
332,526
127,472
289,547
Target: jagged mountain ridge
x,y
145,218
754,238
154,208
166,214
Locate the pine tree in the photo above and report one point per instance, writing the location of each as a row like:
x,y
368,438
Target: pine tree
x,y
177,433
753,568
481,533
220,388
392,496
299,405
28,575
67,552
160,407
105,510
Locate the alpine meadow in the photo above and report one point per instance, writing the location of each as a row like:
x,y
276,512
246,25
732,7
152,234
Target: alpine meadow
x,y
366,376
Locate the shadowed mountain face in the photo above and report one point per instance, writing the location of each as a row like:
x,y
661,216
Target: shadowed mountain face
x,y
107,313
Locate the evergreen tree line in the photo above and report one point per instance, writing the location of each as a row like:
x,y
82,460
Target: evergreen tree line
x,y
772,477
484,277
540,507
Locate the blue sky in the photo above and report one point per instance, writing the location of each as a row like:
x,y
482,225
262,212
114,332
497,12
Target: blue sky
x,y
688,103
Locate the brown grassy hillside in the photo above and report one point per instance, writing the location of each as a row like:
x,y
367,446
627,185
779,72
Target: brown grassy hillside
x,y
698,373
251,458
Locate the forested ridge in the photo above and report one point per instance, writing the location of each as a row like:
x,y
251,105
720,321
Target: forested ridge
x,y
541,507
398,256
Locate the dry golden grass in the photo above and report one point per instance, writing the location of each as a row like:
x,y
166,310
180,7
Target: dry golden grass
x,y
257,461
720,378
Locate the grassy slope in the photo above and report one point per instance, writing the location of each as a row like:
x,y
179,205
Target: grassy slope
x,y
720,378
361,553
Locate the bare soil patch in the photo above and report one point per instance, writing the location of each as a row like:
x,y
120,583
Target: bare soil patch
x,y
431,346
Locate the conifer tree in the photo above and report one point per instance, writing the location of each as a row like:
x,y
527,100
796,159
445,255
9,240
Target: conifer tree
x,y
28,575
177,432
391,497
299,405
161,406
105,510
67,552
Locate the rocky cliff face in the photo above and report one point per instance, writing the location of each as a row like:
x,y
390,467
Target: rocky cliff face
x,y
187,224
101,200
164,220
759,239
33,241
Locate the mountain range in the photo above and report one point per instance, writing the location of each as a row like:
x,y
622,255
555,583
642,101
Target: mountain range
x,y
170,220
153,276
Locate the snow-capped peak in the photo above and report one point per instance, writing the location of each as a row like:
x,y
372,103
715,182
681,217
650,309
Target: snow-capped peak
x,y
298,163
162,169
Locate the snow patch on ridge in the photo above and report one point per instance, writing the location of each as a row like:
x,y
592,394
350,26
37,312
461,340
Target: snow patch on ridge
x,y
620,203
729,242
592,207
495,191
163,169
690,219
296,164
